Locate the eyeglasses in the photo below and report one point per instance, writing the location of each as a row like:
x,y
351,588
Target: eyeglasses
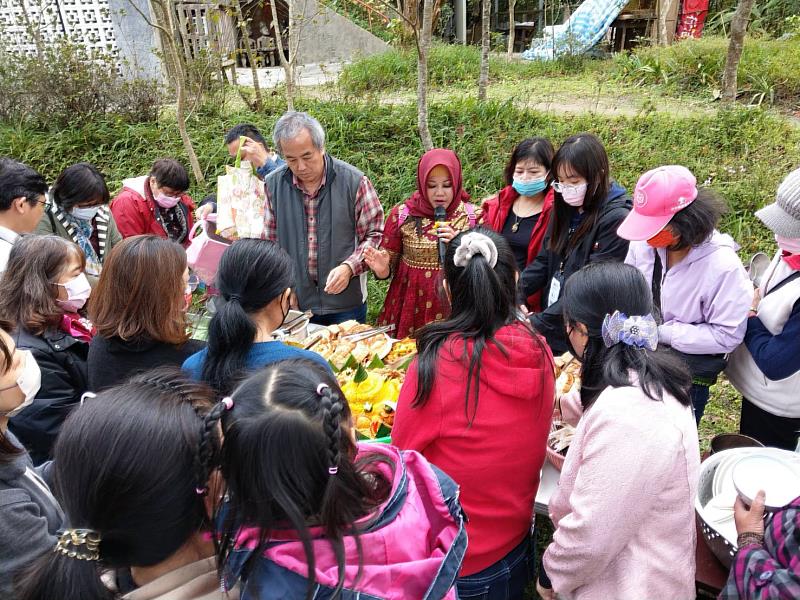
x,y
561,187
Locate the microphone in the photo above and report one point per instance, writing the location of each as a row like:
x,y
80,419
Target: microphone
x,y
440,215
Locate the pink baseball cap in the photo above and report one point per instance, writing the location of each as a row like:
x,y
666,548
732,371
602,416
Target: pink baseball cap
x,y
659,194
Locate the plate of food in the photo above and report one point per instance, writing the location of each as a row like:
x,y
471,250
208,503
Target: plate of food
x,y
401,351
337,343
568,373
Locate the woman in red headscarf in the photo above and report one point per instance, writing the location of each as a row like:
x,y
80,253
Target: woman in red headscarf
x,y
409,252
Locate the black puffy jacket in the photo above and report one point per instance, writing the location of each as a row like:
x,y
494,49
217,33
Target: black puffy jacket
x,y
62,361
601,243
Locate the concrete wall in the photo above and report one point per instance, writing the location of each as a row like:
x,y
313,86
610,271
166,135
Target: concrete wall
x,y
135,39
330,37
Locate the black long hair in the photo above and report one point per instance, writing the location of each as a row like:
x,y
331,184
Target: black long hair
x,y
483,299
598,290
538,149
252,273
81,182
282,436
585,155
128,464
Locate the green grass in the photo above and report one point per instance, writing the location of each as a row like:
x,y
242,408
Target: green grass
x,y
744,153
448,65
769,70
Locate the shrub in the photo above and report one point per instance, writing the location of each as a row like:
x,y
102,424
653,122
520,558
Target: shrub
x,y
69,84
769,70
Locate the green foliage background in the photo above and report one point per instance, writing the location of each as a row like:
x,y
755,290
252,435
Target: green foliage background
x,y
743,152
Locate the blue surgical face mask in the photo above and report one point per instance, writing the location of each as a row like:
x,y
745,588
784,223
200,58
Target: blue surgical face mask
x,y
529,188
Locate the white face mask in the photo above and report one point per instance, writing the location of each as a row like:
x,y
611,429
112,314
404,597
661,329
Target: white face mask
x,y
78,292
85,214
790,245
29,382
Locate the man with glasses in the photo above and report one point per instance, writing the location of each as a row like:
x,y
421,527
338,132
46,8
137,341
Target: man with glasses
x,y
22,203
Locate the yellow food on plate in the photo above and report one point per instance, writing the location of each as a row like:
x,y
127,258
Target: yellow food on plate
x,y
400,350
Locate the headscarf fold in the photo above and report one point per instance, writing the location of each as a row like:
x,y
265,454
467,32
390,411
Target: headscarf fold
x,y
418,204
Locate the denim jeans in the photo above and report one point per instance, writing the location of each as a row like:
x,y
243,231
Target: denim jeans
x,y
506,579
357,314
699,394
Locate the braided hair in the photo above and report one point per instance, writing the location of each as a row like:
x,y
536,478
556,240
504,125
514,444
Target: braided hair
x,y
293,416
127,465
171,383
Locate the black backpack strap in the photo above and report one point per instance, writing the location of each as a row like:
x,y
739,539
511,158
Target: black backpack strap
x,y
789,279
655,286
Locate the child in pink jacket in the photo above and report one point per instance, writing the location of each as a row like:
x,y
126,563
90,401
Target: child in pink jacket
x,y
624,508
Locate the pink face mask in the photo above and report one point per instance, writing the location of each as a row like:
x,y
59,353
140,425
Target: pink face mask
x,y
78,292
790,245
166,201
572,194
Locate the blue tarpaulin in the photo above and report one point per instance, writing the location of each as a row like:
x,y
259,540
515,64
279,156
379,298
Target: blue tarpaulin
x,y
585,28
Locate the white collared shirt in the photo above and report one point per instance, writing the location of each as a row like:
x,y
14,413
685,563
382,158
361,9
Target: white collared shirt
x,y
7,239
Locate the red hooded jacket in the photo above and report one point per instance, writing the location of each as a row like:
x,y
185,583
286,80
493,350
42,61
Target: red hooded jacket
x,y
495,213
497,458
134,210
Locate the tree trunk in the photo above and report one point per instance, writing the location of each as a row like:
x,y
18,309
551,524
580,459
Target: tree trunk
x,y
483,78
286,62
244,30
511,23
423,48
176,68
163,22
741,18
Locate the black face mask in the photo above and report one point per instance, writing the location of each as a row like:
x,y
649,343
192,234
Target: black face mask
x,y
572,348
288,308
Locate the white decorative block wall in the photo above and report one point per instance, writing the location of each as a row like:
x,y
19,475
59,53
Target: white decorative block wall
x,y
86,21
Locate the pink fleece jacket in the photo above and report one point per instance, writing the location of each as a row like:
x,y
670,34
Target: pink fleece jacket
x,y
624,508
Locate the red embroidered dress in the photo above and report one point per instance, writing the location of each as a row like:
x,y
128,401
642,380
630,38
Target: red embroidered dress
x,y
415,296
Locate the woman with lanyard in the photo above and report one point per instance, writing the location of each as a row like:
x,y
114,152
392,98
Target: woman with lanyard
x,y
588,209
521,211
156,203
79,212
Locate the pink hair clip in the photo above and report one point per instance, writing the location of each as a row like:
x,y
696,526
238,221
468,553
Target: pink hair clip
x,y
201,491
228,402
333,470
321,387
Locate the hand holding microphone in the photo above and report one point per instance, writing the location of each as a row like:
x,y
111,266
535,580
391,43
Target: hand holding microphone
x,y
444,231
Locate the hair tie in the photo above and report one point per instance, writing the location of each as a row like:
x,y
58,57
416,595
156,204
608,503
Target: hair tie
x,y
321,388
472,244
640,332
232,297
80,544
333,470
201,491
227,401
